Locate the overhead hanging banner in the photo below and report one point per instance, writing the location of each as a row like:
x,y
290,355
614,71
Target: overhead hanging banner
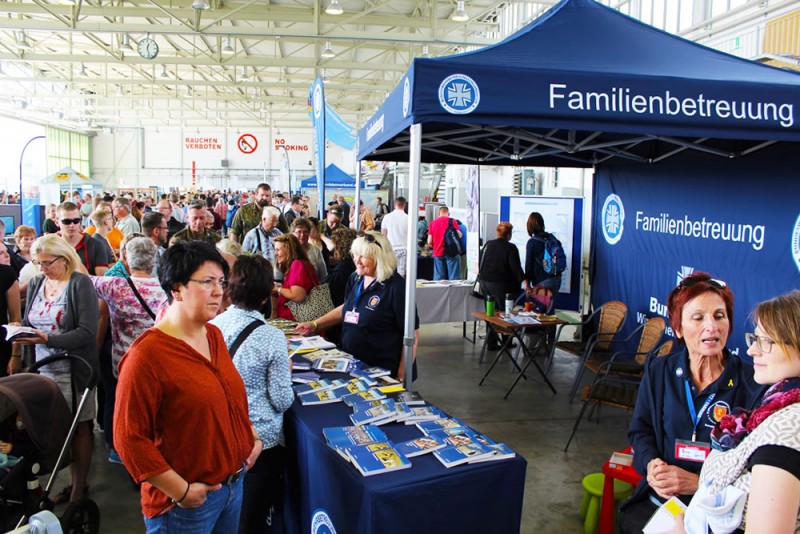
x,y
317,99
655,224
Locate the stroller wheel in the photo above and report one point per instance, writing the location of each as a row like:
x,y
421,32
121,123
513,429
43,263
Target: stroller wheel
x,y
81,517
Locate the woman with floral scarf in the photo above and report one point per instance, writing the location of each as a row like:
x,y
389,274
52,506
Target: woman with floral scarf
x,y
751,480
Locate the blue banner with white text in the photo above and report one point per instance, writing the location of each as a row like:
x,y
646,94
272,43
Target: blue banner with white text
x,y
733,218
317,99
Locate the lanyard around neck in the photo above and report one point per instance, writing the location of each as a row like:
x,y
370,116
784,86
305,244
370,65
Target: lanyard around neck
x,y
694,414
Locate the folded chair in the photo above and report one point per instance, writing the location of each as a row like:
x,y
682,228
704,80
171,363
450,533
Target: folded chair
x,y
618,389
604,323
610,320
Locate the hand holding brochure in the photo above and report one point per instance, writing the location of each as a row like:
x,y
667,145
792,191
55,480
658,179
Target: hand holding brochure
x,y
14,332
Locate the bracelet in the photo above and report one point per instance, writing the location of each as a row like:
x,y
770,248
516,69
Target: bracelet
x,y
185,493
315,325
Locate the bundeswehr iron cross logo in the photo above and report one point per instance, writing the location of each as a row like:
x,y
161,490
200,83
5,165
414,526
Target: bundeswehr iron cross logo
x,y
459,94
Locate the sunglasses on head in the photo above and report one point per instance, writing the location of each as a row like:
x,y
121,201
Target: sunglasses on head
x,y
76,220
719,284
370,238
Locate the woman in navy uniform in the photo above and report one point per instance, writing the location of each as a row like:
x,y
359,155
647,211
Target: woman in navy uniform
x,y
683,395
373,313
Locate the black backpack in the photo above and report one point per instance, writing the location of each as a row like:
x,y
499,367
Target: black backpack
x,y
452,243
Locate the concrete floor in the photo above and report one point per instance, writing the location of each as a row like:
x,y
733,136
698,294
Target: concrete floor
x,y
533,422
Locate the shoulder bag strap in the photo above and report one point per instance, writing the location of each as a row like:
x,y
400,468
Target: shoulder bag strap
x,y
243,335
141,300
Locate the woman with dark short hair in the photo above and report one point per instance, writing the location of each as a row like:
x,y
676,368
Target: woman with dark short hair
x,y
179,371
263,361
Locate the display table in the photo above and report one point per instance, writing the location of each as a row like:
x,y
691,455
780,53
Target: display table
x,y
513,331
625,473
446,302
428,497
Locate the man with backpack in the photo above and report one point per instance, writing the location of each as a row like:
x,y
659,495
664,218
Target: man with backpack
x,y
444,237
545,259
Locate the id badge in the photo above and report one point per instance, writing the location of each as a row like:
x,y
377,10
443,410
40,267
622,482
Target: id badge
x,y
692,451
351,317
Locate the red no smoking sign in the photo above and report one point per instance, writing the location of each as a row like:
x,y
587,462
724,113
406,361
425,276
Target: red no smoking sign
x,y
247,143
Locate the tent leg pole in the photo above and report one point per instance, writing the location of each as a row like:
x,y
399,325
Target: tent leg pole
x,y
414,170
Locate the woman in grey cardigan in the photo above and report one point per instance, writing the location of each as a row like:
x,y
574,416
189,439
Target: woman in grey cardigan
x,y
62,307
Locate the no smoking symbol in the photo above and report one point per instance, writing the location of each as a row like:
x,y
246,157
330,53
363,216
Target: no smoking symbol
x,y
247,143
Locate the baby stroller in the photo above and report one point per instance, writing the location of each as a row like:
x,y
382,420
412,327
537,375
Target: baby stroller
x,y
41,427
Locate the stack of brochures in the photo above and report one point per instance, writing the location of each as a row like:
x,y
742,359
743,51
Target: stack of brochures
x,y
326,391
384,411
367,448
462,444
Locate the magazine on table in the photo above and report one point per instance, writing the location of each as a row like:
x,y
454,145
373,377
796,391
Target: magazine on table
x,y
378,415
377,458
369,395
305,377
319,385
339,438
501,452
411,398
419,446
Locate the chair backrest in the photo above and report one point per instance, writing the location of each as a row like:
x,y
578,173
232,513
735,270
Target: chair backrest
x,y
652,333
544,296
664,349
612,317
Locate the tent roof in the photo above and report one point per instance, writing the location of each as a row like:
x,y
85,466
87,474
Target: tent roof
x,y
334,177
579,85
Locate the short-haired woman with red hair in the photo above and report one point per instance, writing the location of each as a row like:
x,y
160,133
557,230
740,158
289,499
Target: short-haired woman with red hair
x,y
500,270
683,395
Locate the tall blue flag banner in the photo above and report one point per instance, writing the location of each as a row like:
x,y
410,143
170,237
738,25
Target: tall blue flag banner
x,y
732,218
317,100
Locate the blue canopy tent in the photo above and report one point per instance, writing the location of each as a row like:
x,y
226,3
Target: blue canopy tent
x,y
580,86
334,178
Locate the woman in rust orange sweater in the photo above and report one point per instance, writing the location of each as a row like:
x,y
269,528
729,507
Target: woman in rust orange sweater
x,y
181,426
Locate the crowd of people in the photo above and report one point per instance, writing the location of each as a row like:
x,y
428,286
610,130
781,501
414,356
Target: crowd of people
x,y
195,284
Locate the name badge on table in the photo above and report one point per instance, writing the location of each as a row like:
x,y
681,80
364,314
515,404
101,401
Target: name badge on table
x,y
692,451
351,317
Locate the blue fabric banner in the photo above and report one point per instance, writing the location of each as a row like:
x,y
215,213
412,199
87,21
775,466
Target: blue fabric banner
x,y
733,218
317,99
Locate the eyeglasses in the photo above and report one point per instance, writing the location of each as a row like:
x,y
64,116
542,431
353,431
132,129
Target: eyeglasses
x,y
76,220
47,263
370,238
210,283
719,284
764,344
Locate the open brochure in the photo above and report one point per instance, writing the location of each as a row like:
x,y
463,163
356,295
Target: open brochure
x,y
663,519
16,332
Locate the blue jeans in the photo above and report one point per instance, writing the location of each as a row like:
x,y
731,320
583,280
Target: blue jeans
x,y
445,268
218,515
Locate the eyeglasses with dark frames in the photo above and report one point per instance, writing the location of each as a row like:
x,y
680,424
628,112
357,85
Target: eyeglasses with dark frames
x,y
764,344
76,220
719,284
46,263
370,238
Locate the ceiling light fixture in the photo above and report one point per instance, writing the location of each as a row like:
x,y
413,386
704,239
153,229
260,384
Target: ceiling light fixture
x,y
425,52
82,72
200,5
328,52
188,92
22,41
228,48
126,43
254,95
459,15
245,73
334,8
164,73
324,76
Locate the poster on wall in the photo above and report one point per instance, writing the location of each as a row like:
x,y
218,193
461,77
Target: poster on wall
x,y
656,224
562,217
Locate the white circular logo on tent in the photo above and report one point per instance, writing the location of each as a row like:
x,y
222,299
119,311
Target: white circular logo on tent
x,y
406,97
317,100
796,243
459,94
613,218
321,523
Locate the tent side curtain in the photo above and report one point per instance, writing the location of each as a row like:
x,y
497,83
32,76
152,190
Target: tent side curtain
x,y
67,149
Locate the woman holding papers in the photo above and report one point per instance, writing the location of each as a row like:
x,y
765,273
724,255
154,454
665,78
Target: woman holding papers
x,y
260,355
181,424
683,395
373,313
751,480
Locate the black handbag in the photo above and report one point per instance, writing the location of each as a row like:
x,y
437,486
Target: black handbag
x,y
477,290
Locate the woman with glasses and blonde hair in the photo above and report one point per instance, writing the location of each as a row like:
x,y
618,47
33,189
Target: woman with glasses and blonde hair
x,y
373,313
190,474
751,480
683,395
62,307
